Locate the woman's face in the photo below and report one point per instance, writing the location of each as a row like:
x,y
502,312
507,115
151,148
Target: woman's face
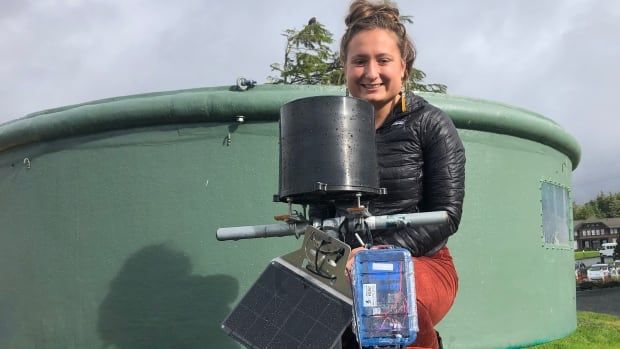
x,y
374,67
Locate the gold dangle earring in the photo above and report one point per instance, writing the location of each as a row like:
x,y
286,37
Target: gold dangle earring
x,y
403,97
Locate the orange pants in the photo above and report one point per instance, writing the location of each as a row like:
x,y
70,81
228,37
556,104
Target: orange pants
x,y
436,284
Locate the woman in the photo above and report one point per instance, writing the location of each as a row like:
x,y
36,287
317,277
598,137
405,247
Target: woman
x,y
421,157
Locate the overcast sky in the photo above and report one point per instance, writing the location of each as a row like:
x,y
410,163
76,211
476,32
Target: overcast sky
x,y
557,58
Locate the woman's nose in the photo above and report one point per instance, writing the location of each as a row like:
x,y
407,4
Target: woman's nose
x,y
372,70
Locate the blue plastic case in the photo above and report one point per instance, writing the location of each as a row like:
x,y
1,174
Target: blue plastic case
x,y
384,297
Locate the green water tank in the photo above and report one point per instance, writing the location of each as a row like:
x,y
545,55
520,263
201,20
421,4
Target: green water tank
x,y
108,214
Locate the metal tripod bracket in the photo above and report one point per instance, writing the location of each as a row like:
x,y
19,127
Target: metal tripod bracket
x,y
323,258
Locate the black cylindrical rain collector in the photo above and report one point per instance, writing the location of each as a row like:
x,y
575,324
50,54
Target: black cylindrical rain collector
x,y
327,149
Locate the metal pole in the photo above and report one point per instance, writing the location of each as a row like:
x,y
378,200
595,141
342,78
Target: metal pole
x,y
373,222
257,231
407,220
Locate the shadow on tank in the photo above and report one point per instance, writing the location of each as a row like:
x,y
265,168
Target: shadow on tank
x,y
156,302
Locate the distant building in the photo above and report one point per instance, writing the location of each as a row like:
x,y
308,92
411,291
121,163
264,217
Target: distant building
x,y
589,234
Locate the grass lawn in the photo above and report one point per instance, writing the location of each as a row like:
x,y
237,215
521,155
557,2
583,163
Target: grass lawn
x,y
593,331
585,254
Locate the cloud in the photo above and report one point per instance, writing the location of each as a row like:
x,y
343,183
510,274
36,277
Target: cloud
x,y
65,52
555,60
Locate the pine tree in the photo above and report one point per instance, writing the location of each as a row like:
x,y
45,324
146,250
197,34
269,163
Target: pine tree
x,y
308,59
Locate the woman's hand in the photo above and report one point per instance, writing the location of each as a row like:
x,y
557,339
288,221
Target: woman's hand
x,y
349,267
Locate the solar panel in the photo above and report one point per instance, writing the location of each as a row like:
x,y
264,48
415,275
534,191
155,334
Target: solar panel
x,y
287,308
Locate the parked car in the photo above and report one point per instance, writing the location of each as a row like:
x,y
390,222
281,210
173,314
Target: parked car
x,y
599,272
615,269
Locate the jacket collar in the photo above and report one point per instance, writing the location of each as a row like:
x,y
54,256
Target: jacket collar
x,y
413,103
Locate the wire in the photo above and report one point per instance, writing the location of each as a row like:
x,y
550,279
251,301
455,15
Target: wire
x,y
342,235
368,233
318,268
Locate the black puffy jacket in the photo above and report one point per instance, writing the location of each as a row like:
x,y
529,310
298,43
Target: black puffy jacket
x,y
422,165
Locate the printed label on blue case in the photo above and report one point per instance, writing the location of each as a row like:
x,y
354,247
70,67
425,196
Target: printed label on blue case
x,y
370,295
